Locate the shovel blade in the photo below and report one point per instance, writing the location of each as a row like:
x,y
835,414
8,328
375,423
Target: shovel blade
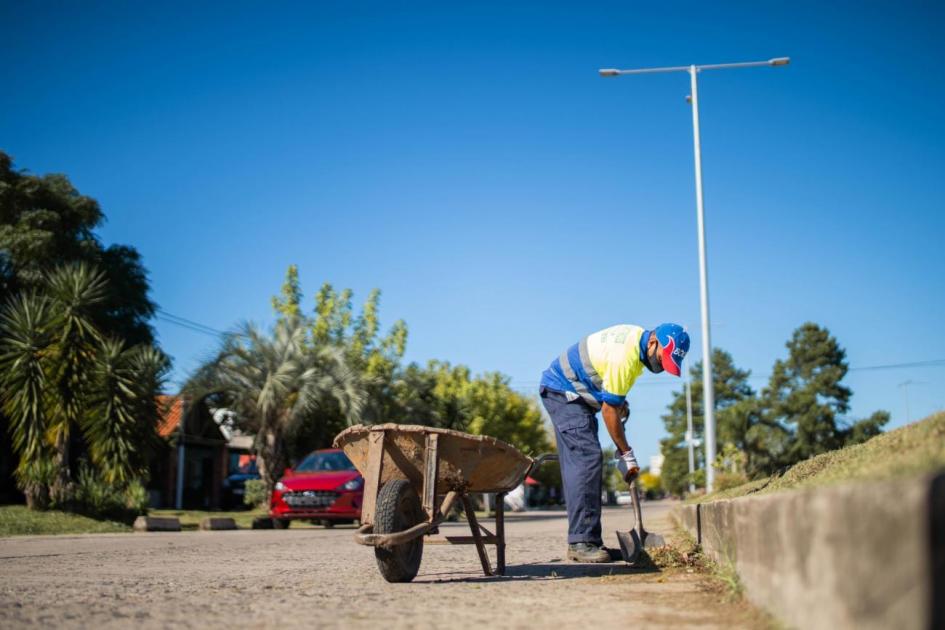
x,y
630,546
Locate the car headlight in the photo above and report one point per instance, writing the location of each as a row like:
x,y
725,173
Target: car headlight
x,y
354,484
280,486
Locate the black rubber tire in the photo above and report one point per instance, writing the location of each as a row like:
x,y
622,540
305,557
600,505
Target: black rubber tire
x,y
328,524
398,508
281,523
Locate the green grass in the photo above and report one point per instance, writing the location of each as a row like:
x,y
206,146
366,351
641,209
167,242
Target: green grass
x,y
17,520
907,451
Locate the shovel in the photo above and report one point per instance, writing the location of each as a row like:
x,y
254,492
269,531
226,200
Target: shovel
x,y
634,541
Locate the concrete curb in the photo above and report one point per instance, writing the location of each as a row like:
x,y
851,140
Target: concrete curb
x,y
864,555
157,524
262,522
212,523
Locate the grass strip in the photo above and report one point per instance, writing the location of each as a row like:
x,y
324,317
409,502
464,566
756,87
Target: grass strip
x,y
18,520
904,452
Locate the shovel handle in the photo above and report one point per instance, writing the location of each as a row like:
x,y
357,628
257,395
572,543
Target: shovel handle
x,y
637,511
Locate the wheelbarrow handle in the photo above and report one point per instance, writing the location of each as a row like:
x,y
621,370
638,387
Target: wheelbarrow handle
x,y
541,459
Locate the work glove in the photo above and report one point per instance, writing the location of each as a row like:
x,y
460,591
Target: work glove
x,y
627,465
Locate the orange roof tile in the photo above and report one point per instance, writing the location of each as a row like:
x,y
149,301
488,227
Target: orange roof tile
x,y
170,408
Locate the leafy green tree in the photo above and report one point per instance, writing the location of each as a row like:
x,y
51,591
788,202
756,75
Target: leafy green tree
x,y
440,394
731,387
44,223
334,323
372,356
436,395
449,397
276,381
57,373
495,409
289,304
806,396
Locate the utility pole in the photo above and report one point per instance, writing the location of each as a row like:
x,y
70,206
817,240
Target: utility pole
x,y
708,407
179,502
689,436
905,392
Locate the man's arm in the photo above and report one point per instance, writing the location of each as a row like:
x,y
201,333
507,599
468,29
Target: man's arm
x,y
612,420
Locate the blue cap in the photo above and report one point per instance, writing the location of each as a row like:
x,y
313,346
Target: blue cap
x,y
675,342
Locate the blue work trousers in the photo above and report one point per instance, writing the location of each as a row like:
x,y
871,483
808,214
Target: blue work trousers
x,y
579,455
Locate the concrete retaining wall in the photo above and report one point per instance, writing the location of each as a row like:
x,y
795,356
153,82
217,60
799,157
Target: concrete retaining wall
x,y
865,555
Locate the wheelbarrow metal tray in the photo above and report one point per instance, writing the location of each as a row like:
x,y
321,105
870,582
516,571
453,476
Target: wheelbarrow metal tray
x,y
467,463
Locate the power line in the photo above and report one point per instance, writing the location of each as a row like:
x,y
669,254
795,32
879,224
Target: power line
x,y
189,324
760,377
894,366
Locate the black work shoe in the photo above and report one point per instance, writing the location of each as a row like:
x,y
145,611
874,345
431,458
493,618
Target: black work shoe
x,y
587,552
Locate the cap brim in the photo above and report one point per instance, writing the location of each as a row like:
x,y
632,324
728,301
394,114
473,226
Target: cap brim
x,y
670,366
666,358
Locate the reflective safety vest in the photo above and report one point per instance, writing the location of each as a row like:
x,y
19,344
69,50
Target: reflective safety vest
x,y
601,368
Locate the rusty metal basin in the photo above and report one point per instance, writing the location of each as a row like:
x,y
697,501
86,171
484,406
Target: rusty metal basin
x,y
468,463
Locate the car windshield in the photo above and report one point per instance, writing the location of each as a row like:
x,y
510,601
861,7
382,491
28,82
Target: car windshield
x,y
325,461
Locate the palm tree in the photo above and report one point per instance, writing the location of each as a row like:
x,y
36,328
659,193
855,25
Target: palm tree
x,y
273,382
58,374
74,291
24,323
122,411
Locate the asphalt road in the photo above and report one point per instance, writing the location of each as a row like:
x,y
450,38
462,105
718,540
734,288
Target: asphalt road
x,y
321,578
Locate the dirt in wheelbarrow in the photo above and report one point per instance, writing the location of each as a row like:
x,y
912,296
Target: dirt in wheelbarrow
x,y
316,577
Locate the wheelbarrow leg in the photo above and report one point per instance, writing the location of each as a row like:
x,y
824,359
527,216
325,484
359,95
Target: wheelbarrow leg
x,y
431,468
500,533
477,534
372,476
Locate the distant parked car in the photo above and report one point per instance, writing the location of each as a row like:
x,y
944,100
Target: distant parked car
x,y
623,497
242,469
324,488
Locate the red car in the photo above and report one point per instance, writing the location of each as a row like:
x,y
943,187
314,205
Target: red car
x,y
324,488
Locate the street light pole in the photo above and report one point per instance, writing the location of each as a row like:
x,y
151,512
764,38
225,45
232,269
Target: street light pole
x,y
708,396
708,391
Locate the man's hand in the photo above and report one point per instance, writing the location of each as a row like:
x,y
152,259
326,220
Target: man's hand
x,y
627,465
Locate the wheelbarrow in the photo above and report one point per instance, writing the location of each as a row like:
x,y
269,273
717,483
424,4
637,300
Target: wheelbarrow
x,y
413,475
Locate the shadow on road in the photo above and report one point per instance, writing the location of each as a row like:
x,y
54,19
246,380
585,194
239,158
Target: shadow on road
x,y
554,569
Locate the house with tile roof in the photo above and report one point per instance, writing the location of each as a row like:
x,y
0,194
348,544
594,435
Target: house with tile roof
x,y
189,468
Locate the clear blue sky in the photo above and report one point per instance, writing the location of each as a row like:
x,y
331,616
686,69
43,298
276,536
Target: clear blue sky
x,y
470,163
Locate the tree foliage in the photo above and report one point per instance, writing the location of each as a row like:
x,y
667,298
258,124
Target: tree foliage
x,y
730,385
44,223
439,394
449,397
372,357
806,396
277,381
801,412
60,373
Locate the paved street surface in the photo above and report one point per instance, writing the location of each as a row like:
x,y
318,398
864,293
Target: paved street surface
x,y
321,578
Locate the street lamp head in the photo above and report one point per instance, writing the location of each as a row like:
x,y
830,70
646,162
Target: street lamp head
x,y
609,72
780,61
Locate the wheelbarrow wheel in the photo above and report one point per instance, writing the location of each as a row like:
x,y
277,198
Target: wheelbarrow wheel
x,y
398,508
